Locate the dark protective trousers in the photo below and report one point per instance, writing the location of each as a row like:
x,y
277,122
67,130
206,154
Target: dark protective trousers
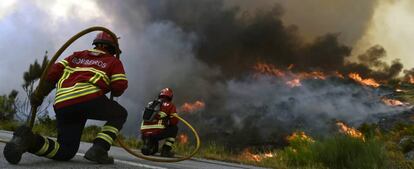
x,y
70,123
169,131
169,134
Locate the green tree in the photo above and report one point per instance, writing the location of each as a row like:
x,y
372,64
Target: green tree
x,y
31,77
8,106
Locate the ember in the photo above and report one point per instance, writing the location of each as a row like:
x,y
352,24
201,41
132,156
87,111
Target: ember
x,y
183,139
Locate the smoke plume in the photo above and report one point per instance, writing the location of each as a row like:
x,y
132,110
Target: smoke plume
x,y
206,50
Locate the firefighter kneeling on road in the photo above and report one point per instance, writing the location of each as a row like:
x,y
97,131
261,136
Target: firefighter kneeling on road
x,y
81,81
159,124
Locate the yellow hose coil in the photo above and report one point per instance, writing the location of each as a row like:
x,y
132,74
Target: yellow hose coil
x,y
32,117
139,155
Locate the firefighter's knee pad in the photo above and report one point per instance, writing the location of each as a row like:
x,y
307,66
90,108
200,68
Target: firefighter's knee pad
x,y
149,147
146,151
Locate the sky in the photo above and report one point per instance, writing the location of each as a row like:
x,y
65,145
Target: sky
x,y
392,27
29,28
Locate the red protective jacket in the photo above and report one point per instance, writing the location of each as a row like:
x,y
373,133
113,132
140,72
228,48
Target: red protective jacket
x,y
163,118
86,75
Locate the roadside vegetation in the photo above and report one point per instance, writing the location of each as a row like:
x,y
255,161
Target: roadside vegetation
x,y
378,150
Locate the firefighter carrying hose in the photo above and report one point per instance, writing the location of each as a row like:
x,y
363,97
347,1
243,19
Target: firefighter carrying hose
x,y
81,81
159,124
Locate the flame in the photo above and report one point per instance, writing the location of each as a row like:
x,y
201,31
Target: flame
x,y
291,66
343,128
291,79
294,79
294,83
399,90
337,74
250,156
366,82
312,75
411,79
300,136
392,102
268,155
192,107
269,69
247,154
183,139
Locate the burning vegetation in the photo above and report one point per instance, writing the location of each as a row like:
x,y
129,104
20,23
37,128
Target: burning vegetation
x,y
301,136
280,83
248,155
349,131
192,107
183,138
367,82
295,84
294,79
393,102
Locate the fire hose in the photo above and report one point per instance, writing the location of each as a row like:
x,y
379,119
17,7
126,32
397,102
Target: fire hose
x,y
32,116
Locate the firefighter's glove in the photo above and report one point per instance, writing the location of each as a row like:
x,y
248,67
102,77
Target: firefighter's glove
x,y
161,115
36,100
40,93
166,121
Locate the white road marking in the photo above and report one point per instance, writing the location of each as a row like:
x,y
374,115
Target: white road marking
x,y
131,163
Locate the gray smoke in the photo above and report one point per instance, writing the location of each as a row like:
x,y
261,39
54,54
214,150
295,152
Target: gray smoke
x,y
205,51
264,109
164,58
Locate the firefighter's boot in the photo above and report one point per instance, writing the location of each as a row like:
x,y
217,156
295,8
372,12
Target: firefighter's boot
x,y
166,151
20,143
98,154
149,147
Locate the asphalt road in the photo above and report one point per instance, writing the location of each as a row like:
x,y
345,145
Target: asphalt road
x,y
122,160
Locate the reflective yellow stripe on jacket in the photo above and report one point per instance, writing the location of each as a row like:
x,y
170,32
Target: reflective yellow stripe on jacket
x,y
81,89
159,125
64,62
98,73
116,77
69,93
